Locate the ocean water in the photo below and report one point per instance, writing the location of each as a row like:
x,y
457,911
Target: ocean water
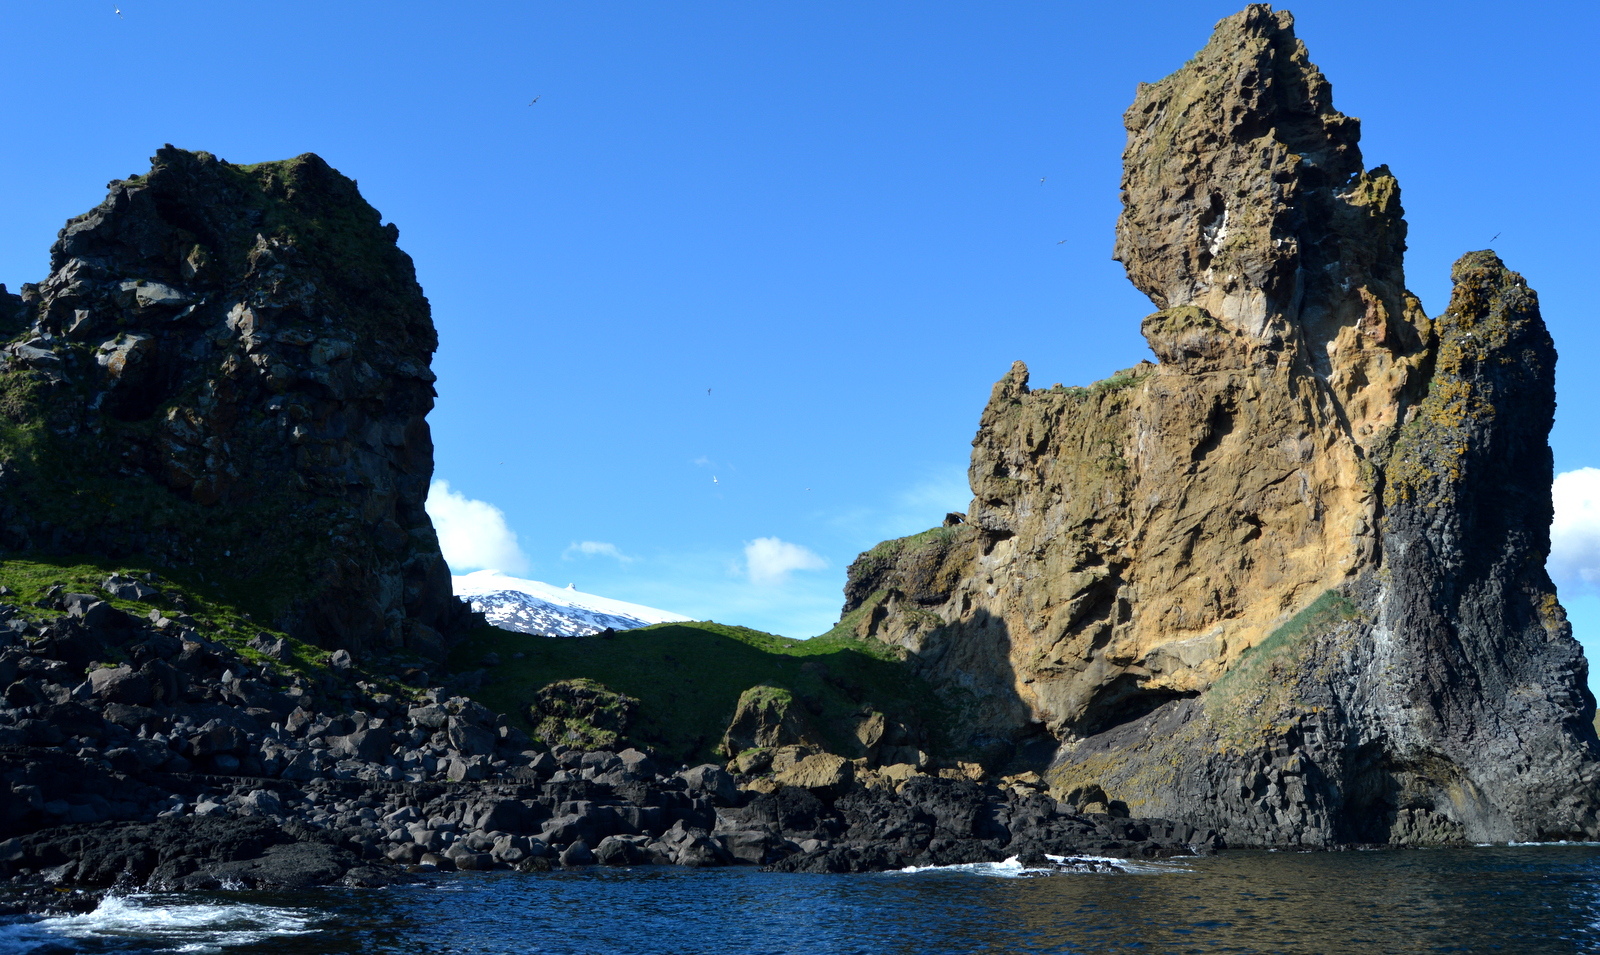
x,y
1532,899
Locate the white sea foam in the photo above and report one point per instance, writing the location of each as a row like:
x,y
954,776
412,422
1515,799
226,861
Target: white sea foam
x,y
1013,868
189,926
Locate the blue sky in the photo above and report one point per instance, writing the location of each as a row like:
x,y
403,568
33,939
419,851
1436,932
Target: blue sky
x,y
828,214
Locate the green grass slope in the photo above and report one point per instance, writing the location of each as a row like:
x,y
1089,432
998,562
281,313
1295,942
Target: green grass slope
x,y
687,678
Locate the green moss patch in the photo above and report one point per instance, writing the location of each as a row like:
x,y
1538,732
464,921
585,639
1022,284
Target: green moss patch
x,y
890,550
192,602
845,629
1247,703
1329,609
581,713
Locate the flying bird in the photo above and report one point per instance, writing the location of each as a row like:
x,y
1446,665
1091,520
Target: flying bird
x,y
1062,242
119,13
708,391
1041,180
534,100
713,479
1496,236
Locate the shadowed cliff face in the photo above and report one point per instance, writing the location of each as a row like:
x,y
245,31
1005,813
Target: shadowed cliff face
x,y
1288,582
227,368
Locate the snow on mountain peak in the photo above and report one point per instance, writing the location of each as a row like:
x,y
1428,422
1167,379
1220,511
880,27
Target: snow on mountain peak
x,y
531,606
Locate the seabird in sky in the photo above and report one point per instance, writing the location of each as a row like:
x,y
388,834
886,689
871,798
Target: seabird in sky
x,y
534,100
713,479
119,13
1041,180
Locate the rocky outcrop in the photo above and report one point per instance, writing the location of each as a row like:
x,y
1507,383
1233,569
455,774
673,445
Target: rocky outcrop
x,y
189,766
581,713
767,717
1287,583
227,369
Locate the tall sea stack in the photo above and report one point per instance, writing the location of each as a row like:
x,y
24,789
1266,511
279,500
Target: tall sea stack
x,y
227,370
1289,582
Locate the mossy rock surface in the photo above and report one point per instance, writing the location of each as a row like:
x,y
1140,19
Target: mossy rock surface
x,y
768,716
581,713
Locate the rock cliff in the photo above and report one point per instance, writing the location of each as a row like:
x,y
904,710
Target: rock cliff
x,y
227,370
1289,582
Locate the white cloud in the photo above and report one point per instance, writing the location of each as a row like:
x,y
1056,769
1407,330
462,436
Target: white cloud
x,y
1575,533
770,560
473,534
595,549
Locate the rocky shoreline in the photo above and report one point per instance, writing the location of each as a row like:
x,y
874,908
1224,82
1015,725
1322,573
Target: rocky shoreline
x,y
188,766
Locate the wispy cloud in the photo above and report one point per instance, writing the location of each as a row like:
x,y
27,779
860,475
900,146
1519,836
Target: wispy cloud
x,y
1575,532
917,507
595,549
770,561
942,492
473,534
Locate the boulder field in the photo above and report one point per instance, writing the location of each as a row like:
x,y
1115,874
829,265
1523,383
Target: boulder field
x,y
192,765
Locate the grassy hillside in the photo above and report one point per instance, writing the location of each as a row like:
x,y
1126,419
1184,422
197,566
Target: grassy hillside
x,y
687,678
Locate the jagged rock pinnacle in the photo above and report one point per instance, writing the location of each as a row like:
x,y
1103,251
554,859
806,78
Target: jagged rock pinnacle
x,y
1244,192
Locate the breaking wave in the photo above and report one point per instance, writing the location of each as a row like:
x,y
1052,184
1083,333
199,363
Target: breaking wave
x,y
1013,868
163,923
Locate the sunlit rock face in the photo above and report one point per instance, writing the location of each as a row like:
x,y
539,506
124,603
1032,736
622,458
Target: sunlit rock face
x,y
1289,581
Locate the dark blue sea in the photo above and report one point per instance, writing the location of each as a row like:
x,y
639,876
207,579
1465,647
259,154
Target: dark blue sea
x,y
1520,899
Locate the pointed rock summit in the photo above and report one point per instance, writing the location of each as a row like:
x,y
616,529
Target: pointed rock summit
x,y
1289,582
1244,192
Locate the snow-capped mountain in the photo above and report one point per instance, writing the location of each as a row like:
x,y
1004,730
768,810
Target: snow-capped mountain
x,y
529,606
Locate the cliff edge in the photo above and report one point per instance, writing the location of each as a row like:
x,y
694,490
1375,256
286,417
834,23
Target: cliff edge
x,y
227,370
1289,582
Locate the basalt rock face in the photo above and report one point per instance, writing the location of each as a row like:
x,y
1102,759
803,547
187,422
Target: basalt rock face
x,y
1287,583
227,368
